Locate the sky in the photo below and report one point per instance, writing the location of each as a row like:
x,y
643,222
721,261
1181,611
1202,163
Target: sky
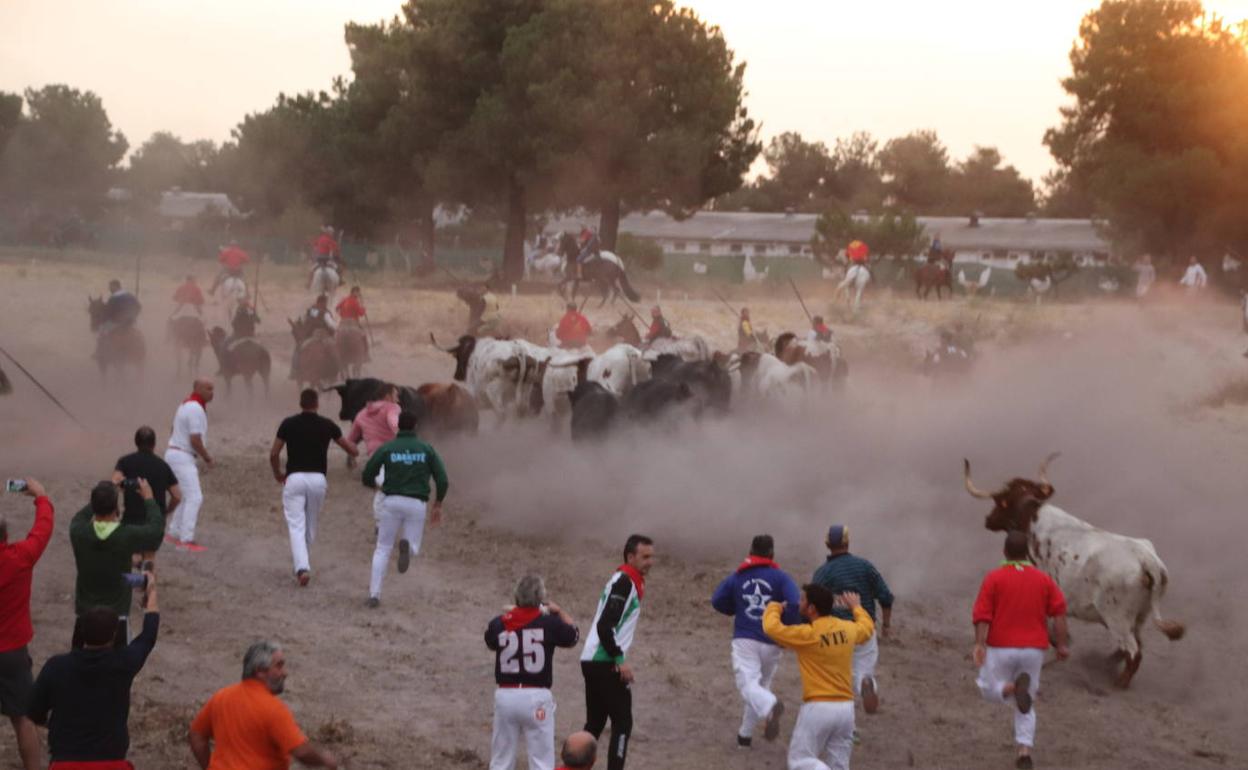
x,y
978,72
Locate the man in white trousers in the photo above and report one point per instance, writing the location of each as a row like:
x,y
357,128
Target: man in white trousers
x,y
524,639
409,464
825,655
306,437
744,595
186,443
1011,634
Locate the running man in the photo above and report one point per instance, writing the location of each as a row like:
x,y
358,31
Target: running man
x,y
744,594
524,640
377,423
845,572
607,675
306,436
408,464
186,443
824,645
1011,634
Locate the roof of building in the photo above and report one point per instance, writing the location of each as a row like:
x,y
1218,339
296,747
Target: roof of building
x,y
1032,234
178,204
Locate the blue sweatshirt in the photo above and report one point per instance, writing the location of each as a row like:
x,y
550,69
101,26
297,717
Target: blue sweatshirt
x,y
744,595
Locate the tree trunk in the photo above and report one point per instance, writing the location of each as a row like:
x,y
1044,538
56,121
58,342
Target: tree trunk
x,y
609,222
513,242
425,229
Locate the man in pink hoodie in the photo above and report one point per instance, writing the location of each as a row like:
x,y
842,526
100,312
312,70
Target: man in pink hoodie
x,y
376,424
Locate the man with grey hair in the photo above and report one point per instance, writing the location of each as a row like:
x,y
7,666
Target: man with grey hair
x,y
524,639
580,750
246,725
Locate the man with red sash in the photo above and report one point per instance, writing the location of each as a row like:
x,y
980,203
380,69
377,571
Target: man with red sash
x,y
744,595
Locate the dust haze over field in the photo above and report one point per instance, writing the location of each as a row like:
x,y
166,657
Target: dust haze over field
x,y
1115,388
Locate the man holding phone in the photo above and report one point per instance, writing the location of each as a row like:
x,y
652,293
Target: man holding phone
x,y
144,463
103,549
17,565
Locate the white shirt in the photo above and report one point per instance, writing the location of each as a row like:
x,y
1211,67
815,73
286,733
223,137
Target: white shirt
x,y
1195,277
190,419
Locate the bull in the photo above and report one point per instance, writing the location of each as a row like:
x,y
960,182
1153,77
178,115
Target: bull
x,y
824,357
498,373
1110,579
355,394
769,378
708,380
594,406
449,409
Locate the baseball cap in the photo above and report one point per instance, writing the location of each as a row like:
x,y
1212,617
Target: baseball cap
x,y
838,534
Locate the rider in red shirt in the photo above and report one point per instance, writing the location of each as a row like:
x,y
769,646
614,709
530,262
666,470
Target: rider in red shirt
x,y
189,293
574,329
659,327
351,308
233,259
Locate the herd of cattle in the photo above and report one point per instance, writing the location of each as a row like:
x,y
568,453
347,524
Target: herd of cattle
x,y
671,378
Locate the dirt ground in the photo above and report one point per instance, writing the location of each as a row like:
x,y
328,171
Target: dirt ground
x,y
1125,392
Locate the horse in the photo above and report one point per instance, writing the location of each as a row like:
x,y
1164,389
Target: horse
x,y
233,293
546,264
118,346
857,276
324,280
187,334
318,355
242,357
625,331
352,344
936,274
606,271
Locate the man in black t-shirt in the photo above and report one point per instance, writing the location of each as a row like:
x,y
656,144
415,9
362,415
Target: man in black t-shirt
x,y
306,436
146,464
524,640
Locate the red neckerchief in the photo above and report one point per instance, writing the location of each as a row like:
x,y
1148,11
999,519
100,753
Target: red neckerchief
x,y
197,399
519,617
639,580
756,561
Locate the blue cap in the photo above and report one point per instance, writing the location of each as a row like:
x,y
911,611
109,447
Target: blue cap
x,y
838,535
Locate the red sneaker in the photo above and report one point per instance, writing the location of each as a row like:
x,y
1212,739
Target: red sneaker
x,y
171,540
192,546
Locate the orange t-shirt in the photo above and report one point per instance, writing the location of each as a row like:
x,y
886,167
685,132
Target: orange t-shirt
x,y
251,729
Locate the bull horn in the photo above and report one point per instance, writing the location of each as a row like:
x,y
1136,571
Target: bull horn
x,y
439,347
1044,467
970,485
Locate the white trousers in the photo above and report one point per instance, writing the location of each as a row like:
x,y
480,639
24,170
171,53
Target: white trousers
x,y
379,497
823,729
527,713
302,499
866,655
398,514
186,515
1001,667
754,666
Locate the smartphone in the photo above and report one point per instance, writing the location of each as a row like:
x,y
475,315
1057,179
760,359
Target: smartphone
x,y
134,580
15,485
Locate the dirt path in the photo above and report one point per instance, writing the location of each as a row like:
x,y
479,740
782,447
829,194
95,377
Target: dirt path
x,y
409,685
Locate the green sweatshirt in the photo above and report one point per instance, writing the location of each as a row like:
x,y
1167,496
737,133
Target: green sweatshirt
x,y
409,462
101,562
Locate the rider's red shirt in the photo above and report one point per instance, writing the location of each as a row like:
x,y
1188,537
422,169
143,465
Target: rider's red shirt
x,y
351,308
189,294
233,258
573,330
326,246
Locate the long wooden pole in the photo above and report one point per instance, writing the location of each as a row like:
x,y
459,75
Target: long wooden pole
x,y
39,385
800,301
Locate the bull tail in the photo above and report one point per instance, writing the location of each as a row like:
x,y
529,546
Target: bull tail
x,y
627,288
1156,579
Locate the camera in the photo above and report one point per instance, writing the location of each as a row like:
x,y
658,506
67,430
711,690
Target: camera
x,y
130,485
15,485
135,580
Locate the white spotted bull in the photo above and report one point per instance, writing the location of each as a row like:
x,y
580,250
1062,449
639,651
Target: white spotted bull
x,y
1110,579
496,372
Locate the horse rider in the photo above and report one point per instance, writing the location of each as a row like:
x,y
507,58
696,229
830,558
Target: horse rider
x,y
746,340
591,248
188,295
351,312
121,309
243,324
317,321
327,250
491,320
1194,278
819,330
934,251
233,259
659,327
574,329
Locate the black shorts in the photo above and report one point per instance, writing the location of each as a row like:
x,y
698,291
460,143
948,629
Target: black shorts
x,y
16,681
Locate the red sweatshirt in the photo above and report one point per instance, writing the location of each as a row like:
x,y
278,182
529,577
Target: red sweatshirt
x,y
1016,600
17,564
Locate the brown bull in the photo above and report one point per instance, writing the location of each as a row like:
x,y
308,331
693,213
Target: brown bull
x,y
449,409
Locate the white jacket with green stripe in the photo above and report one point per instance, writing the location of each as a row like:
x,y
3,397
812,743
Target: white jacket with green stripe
x,y
615,622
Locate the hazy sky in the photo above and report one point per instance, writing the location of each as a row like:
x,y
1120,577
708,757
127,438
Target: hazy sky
x,y
977,71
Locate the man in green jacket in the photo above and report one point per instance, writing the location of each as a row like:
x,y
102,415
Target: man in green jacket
x,y
409,463
103,547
